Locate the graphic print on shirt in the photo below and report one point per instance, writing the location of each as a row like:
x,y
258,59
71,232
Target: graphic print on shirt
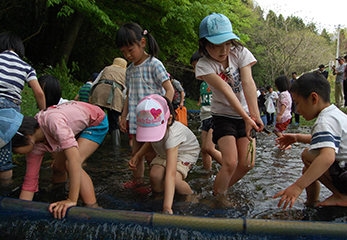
x,y
233,78
206,95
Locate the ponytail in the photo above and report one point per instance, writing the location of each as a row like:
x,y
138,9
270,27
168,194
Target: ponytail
x,y
132,33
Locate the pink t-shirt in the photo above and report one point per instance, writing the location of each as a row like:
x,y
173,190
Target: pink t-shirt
x,y
284,98
60,124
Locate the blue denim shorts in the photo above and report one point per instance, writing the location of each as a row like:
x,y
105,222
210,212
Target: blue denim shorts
x,y
6,103
6,151
97,133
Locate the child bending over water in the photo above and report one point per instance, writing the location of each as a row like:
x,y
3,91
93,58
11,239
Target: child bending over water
x,y
325,158
56,130
175,144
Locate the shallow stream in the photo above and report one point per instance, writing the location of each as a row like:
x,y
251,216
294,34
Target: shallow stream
x,y
251,197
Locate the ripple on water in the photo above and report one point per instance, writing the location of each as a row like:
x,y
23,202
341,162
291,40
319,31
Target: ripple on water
x,y
251,197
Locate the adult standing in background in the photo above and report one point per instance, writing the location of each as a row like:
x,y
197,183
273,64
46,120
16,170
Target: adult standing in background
x,y
296,114
107,93
339,72
322,71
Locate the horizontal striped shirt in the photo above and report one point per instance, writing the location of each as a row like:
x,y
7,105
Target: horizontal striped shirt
x,y
14,73
330,130
84,92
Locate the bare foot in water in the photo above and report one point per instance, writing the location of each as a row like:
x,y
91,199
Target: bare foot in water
x,y
335,200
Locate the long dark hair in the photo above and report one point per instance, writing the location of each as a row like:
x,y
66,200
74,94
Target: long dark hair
x,y
51,87
131,33
28,127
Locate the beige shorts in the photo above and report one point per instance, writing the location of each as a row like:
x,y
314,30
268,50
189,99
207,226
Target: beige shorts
x,y
182,167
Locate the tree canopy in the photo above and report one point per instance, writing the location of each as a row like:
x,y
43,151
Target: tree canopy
x,y
83,32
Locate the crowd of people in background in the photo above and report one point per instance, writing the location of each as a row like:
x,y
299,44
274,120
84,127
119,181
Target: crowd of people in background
x,y
140,99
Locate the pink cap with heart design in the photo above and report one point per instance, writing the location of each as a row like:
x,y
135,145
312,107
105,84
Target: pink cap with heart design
x,y
152,115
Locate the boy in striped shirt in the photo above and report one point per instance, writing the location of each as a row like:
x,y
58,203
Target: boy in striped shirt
x,y
325,159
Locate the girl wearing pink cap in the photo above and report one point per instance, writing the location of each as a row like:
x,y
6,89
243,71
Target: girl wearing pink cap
x,y
175,144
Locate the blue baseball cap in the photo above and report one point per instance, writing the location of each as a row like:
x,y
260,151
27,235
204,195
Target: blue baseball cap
x,y
217,29
10,121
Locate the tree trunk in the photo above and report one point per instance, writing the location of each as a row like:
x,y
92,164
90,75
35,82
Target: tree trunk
x,y
69,38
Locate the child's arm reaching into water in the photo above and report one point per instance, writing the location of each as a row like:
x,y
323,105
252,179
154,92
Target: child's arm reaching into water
x,y
214,80
290,138
74,169
170,179
318,167
139,155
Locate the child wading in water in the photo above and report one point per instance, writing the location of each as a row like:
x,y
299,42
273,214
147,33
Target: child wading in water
x,y
176,147
325,158
54,130
284,106
146,75
234,102
208,148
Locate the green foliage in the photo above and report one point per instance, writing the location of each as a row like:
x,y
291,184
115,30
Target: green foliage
x,y
281,45
190,104
28,105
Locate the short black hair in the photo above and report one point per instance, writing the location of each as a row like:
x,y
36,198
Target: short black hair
x,y
28,127
203,42
10,41
195,57
268,87
312,82
282,83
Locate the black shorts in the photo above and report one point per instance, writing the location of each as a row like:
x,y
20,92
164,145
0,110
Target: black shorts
x,y
206,124
339,177
225,126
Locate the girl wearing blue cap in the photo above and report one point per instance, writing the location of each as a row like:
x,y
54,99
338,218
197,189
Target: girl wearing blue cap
x,y
234,100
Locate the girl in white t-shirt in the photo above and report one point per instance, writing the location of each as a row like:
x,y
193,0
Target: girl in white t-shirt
x,y
234,102
175,144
